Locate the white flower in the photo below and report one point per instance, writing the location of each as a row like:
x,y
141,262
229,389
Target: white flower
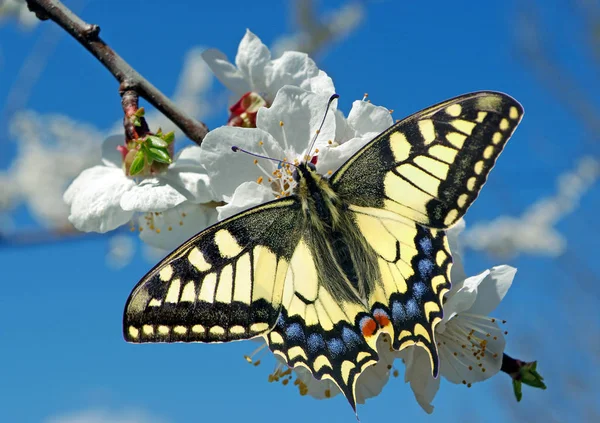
x,y
256,72
103,198
284,132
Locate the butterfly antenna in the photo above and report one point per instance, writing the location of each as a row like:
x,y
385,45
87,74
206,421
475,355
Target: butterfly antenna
x,y
235,149
312,143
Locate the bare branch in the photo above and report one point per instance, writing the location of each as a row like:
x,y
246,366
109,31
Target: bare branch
x,y
129,78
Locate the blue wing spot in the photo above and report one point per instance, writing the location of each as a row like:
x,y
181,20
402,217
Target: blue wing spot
x,y
412,308
419,290
425,268
350,338
398,313
295,333
281,321
336,347
426,245
315,343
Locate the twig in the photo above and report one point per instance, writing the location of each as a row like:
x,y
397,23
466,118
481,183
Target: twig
x,y
129,78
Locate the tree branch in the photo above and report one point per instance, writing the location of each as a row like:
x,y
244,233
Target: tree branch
x,y
129,78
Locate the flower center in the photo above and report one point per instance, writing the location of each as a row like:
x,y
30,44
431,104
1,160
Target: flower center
x,y
467,337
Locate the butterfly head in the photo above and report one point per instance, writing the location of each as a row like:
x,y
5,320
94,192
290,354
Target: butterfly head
x,y
304,170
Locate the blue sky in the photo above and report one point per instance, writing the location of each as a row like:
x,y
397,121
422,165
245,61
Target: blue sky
x,y
61,347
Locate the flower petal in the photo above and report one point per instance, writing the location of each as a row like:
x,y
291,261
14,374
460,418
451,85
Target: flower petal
x,y
94,197
247,195
458,271
332,158
171,228
343,130
461,297
418,373
188,159
482,356
226,72
301,113
251,59
297,69
365,117
492,289
152,195
112,157
320,84
226,169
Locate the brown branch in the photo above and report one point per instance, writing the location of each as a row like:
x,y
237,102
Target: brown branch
x,y
129,78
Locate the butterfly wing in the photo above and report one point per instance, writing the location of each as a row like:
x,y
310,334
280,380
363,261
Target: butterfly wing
x,y
318,330
431,166
224,284
421,175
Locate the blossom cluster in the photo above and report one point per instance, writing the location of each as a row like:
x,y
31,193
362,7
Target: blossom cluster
x,y
278,106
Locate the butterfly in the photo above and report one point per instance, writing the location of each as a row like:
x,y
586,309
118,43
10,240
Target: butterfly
x,y
323,273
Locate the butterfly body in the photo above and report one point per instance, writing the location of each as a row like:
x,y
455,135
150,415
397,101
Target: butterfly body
x,y
324,273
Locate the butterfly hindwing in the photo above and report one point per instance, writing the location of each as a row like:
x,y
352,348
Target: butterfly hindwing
x,y
318,330
431,166
224,284
414,266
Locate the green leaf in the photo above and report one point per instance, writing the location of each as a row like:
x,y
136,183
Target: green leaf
x,y
517,385
156,141
137,165
160,155
135,120
169,137
140,112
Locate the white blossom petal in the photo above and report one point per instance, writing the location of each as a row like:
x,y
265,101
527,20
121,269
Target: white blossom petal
x,y
188,159
152,194
110,155
458,270
171,228
332,158
95,196
482,356
365,117
226,72
460,298
492,289
192,185
320,84
226,169
301,113
251,59
343,130
247,195
297,69
418,374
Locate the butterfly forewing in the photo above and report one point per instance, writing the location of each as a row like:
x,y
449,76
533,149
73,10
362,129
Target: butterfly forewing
x,y
431,166
226,283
